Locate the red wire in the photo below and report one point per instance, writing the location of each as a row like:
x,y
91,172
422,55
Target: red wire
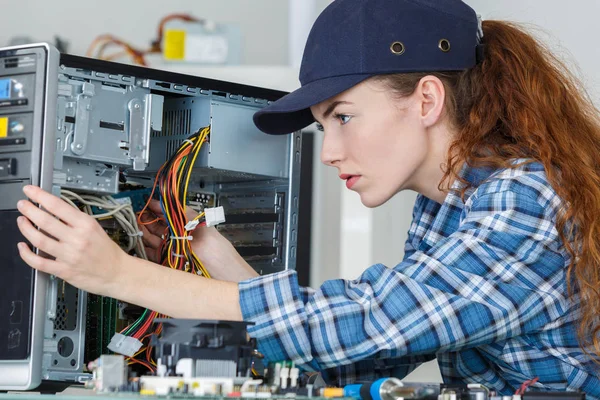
x,y
134,360
525,385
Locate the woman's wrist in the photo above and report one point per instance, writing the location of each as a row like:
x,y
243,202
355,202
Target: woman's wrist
x,y
175,293
119,279
220,258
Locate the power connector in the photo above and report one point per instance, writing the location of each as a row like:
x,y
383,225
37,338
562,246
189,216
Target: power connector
x,y
214,216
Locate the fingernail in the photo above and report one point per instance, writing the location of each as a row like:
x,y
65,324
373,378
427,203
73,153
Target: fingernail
x,y
27,189
19,220
20,204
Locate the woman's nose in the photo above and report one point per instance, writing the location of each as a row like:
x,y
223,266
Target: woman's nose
x,y
333,150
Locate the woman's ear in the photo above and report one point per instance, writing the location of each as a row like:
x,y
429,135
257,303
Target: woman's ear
x,y
431,94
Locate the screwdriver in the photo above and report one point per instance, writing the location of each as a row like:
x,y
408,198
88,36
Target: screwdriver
x,y
385,389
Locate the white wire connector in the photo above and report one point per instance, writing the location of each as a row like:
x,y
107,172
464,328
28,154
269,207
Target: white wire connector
x,y
294,374
182,238
188,141
250,387
190,226
138,233
214,216
125,345
284,375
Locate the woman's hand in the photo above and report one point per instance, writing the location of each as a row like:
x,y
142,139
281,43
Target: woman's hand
x,y
216,253
84,255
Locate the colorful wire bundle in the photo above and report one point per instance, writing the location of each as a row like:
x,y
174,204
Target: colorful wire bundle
x,y
172,180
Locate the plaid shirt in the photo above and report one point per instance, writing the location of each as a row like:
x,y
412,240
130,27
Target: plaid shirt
x,y
481,287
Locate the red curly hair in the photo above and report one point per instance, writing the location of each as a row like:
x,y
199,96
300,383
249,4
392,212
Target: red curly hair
x,y
522,102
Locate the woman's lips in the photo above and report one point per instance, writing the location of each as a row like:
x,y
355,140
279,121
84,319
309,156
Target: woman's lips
x,y
350,180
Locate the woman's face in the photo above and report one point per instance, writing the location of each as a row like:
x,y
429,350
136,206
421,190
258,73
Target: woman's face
x,y
379,143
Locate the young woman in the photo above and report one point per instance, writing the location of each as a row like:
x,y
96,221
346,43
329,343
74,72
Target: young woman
x,y
501,271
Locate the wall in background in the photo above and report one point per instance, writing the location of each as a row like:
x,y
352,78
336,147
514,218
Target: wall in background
x,y
263,22
569,28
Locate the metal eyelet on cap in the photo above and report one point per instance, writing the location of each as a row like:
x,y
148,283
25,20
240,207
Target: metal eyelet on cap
x,y
397,48
444,45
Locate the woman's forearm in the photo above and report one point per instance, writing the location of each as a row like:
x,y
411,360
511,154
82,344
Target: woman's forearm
x,y
175,293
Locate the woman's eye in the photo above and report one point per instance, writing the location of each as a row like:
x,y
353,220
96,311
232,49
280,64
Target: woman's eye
x,y
344,119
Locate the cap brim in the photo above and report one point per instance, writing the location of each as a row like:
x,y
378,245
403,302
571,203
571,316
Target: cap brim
x,y
292,112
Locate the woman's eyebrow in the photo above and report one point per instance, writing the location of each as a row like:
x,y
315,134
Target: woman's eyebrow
x,y
332,107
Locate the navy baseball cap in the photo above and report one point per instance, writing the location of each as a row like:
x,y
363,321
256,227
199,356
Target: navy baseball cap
x,y
353,40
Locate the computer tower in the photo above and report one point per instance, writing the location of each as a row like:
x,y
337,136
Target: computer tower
x,y
96,127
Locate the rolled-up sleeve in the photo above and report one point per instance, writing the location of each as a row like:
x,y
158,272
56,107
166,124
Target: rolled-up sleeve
x,y
499,275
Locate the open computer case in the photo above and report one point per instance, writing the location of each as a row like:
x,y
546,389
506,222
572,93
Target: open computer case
x,y
97,127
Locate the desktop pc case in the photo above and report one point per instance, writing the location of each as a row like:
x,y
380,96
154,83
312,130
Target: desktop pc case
x,y
93,126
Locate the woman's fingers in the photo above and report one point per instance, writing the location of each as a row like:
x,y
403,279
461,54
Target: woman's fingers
x,y
190,213
151,253
40,263
149,238
148,216
38,239
157,228
85,256
154,255
43,219
59,208
155,207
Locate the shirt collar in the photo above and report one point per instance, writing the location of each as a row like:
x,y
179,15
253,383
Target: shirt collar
x,y
473,175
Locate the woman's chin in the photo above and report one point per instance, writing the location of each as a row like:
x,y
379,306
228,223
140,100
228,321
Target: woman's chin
x,y
371,201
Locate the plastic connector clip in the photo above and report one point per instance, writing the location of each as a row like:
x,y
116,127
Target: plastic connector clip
x,y
214,216
193,224
125,345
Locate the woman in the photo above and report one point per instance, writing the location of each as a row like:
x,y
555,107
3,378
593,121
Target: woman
x,y
501,270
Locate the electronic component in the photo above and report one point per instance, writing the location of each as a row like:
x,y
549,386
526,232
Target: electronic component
x,y
214,348
198,201
186,368
201,41
5,85
109,373
8,167
98,132
255,225
214,216
198,358
124,345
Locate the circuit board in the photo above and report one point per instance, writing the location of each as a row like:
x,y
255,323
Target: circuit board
x,y
79,393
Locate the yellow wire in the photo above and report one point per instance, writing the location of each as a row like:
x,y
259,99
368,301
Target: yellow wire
x,y
193,148
164,195
203,135
196,151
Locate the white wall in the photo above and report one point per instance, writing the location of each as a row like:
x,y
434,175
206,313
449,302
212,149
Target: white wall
x,y
263,22
571,28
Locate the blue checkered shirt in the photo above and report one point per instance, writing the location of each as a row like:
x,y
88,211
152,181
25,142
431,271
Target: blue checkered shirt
x,y
481,288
